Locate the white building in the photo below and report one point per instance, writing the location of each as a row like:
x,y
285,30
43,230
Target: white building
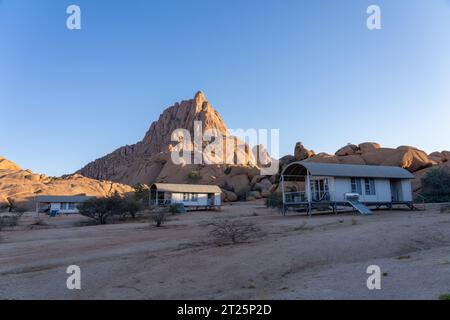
x,y
190,195
313,185
59,204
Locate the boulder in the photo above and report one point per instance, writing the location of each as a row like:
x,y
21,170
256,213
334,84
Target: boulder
x,y
254,194
367,147
257,179
437,157
264,185
239,183
348,150
301,153
228,196
286,160
324,158
446,155
352,159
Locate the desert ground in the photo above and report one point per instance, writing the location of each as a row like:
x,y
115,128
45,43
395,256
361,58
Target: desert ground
x,y
295,257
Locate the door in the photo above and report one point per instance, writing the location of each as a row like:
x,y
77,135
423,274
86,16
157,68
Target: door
x,y
396,190
320,190
210,199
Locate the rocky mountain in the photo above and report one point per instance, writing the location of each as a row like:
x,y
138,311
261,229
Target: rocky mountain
x,y
150,161
19,187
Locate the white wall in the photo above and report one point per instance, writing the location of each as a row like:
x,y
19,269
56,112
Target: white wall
x,y
407,190
57,207
382,190
202,200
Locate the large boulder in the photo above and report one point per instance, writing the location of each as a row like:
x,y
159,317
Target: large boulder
x,y
263,185
239,183
437,157
301,153
348,150
352,159
367,147
324,158
228,196
446,155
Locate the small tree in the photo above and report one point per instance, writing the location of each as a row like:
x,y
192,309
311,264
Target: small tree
x,y
159,218
226,231
436,186
131,207
100,209
141,193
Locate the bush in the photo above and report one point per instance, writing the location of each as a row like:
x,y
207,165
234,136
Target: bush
x,y
159,218
275,201
101,209
177,208
234,232
445,297
142,193
9,221
436,186
242,193
194,176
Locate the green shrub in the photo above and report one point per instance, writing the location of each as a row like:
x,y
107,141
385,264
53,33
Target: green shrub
x,y
9,221
177,208
101,209
228,170
142,193
444,296
274,201
194,176
436,186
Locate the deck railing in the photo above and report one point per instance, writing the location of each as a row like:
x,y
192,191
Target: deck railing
x,y
302,197
160,202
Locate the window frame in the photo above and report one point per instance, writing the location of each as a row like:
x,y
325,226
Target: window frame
x,y
369,187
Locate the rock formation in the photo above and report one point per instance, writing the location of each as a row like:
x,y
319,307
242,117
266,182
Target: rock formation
x,y
19,187
150,160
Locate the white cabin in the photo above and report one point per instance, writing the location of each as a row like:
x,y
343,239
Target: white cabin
x,y
59,204
341,184
189,195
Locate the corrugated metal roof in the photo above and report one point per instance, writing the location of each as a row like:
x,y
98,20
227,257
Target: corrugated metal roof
x,y
187,188
65,199
347,170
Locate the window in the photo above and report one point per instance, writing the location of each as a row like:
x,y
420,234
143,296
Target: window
x,y
370,187
194,197
71,206
356,186
185,197
63,206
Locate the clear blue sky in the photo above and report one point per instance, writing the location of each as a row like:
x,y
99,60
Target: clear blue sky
x,y
310,68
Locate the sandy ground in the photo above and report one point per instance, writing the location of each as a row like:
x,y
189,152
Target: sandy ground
x,y
323,257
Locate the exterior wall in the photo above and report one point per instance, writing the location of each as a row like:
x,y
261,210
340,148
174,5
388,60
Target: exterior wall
x,y
407,190
341,187
382,190
57,207
217,199
202,200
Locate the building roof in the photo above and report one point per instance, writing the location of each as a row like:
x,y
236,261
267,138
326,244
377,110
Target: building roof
x,y
346,170
186,188
65,199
